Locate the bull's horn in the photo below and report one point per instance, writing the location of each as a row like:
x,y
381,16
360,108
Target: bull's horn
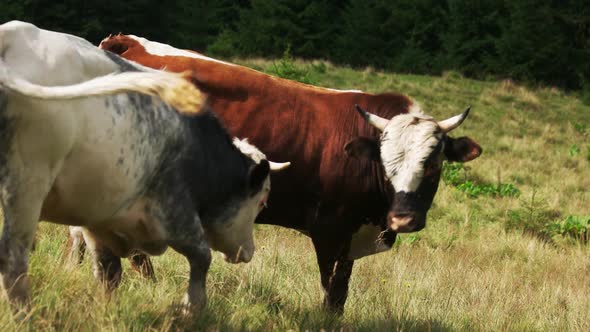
x,y
454,122
376,121
275,167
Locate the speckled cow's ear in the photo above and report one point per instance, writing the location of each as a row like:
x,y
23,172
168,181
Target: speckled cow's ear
x,y
258,173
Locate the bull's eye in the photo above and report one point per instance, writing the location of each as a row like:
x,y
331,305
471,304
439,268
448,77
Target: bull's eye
x,y
262,204
430,169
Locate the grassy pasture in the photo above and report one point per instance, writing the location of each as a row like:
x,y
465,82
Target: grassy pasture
x,y
483,263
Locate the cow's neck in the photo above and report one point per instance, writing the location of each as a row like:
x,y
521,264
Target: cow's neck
x,y
217,174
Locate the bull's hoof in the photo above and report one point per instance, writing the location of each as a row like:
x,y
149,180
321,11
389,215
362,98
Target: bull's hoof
x,y
190,310
334,308
22,312
20,305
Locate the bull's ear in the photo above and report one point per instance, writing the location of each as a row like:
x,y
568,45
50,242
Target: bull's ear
x,y
363,147
257,175
115,47
461,149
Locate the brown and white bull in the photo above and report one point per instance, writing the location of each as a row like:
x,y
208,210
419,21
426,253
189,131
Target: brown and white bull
x,y
355,181
136,173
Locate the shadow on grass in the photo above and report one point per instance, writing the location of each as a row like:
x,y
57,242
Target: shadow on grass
x,y
266,308
259,315
313,318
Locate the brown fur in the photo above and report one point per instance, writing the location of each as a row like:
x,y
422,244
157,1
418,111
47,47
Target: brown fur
x,y
325,194
306,125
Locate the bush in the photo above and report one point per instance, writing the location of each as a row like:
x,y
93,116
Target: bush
x,y
455,174
287,68
224,46
532,218
580,128
574,150
575,227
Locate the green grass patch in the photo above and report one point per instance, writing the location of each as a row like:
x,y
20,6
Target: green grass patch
x,y
455,174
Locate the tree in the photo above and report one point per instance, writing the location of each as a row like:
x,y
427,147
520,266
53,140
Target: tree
x,y
545,41
469,43
195,24
365,39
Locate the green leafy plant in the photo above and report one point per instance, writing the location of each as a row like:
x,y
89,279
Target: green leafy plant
x,y
287,68
319,67
533,217
576,227
574,150
407,239
581,128
455,174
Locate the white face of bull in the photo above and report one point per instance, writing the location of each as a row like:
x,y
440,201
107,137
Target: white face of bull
x,y
407,142
411,148
235,238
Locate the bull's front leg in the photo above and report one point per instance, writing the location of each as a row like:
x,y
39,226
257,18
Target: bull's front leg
x,y
335,279
192,244
335,270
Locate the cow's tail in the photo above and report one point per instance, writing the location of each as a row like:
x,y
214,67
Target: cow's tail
x,y
172,88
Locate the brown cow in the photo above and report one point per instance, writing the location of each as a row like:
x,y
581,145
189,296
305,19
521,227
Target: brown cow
x,y
350,207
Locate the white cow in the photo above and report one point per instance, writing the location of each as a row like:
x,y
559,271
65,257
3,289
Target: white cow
x,y
127,167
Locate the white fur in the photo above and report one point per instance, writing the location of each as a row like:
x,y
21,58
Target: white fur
x,y
66,59
236,237
148,83
160,49
249,150
338,90
406,142
415,108
46,62
366,241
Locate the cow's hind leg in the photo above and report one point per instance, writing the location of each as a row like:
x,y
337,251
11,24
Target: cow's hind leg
x,y
142,264
21,216
14,250
76,246
106,266
192,244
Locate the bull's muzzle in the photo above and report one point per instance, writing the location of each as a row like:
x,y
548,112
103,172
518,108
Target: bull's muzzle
x,y
242,256
405,222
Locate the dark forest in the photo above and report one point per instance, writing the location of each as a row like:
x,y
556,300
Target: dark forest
x,y
535,41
